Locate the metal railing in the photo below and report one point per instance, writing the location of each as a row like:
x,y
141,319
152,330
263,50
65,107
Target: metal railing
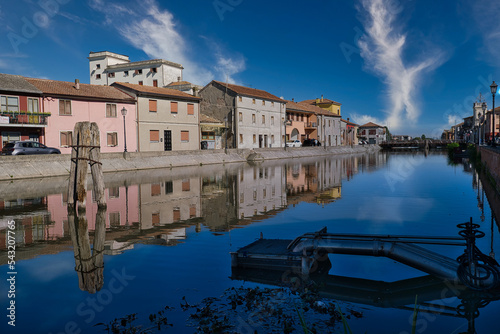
x,y
24,118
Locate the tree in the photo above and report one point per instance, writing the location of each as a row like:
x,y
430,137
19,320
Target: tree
x,y
423,137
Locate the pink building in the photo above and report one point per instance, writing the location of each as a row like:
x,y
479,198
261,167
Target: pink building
x,y
69,103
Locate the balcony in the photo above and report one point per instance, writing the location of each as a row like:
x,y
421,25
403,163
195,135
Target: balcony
x,y
311,125
24,118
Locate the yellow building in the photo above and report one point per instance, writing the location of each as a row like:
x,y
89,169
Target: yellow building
x,y
325,104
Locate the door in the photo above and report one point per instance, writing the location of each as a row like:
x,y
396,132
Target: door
x,y
265,140
167,140
260,141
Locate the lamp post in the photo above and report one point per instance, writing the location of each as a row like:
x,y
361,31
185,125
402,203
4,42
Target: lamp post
x,y
493,88
286,122
225,133
124,113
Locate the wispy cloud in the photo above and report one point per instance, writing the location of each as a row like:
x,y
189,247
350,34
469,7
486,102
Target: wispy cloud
x,y
363,119
486,14
157,33
382,49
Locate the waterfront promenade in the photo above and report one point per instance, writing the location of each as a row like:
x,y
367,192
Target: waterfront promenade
x,y
41,166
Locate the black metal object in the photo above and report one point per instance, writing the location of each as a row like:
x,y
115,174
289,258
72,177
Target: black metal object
x,y
477,271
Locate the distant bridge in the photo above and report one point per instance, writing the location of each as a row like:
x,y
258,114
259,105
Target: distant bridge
x,y
415,144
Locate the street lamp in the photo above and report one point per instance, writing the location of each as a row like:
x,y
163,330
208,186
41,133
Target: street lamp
x,y
124,113
286,122
493,88
225,132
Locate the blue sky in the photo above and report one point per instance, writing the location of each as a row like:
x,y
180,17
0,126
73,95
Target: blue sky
x,y
416,66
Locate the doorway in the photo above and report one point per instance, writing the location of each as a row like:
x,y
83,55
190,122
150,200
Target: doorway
x,y
167,140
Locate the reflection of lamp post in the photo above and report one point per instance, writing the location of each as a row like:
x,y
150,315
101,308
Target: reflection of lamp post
x,y
493,88
225,131
124,113
286,122
481,123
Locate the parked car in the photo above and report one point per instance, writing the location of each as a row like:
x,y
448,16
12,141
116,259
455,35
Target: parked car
x,y
311,142
293,143
27,147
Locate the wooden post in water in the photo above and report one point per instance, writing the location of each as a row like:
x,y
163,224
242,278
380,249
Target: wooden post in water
x,y
86,150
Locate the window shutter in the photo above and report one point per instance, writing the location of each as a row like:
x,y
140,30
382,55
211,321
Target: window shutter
x,y
190,109
186,185
173,107
153,105
154,135
155,189
184,135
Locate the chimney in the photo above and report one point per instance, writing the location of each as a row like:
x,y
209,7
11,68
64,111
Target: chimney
x,y
321,97
348,119
317,101
77,84
292,100
178,79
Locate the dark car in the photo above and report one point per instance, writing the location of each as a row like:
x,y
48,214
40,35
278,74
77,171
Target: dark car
x,y
27,147
311,142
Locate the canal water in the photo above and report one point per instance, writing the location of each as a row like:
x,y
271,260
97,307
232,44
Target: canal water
x,y
163,247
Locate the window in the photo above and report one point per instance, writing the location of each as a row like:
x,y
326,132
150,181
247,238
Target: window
x,y
154,136
110,110
98,76
66,138
153,70
173,107
272,139
155,83
272,120
185,136
253,101
141,83
263,102
112,139
155,219
241,138
272,104
190,109
253,118
155,189
254,139
263,119
65,107
10,103
98,66
125,73
33,105
114,192
192,211
240,117
371,132
138,72
114,219
186,185
177,214
240,99
169,187
111,75
153,105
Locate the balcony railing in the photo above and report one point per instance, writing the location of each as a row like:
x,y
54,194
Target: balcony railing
x,y
311,125
23,118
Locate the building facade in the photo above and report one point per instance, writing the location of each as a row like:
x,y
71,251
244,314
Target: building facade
x,y
372,133
254,118
107,68
167,119
303,122
21,114
69,103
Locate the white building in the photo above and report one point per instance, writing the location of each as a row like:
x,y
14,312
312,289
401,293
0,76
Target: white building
x,y
108,67
254,118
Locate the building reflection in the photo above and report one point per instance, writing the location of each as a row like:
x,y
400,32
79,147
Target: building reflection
x,y
160,207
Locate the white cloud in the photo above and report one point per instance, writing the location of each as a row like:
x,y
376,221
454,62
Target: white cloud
x,y
156,33
382,49
363,119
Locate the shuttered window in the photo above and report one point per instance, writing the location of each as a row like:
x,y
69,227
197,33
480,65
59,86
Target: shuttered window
x,y
184,135
173,107
112,138
192,211
110,110
64,107
66,138
155,219
154,136
155,189
153,105
190,109
177,214
186,185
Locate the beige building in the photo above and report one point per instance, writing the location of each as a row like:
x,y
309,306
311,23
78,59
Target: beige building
x,y
167,119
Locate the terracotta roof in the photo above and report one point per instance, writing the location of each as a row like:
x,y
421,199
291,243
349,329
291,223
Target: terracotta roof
x,y
16,83
64,88
370,125
207,119
324,101
251,92
349,122
157,91
291,105
317,110
179,83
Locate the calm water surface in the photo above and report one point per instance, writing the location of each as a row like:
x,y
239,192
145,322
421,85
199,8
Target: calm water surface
x,y
168,235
